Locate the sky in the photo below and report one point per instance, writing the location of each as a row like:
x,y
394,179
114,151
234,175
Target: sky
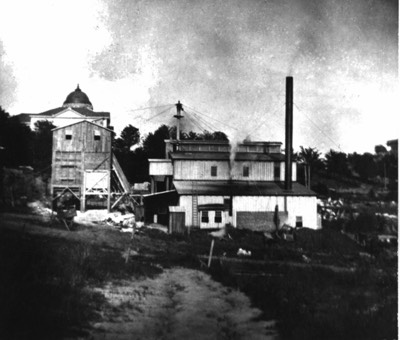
x,y
225,60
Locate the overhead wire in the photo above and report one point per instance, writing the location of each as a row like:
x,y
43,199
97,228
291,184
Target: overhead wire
x,y
195,123
201,120
158,114
272,114
320,130
209,117
151,107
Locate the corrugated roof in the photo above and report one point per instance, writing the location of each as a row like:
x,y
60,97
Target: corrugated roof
x,y
240,156
240,188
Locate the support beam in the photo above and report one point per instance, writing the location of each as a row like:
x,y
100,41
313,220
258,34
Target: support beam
x,y
289,133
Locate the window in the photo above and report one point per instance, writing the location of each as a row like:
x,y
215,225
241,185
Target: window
x,y
204,216
97,135
299,221
246,171
68,134
218,216
277,171
214,171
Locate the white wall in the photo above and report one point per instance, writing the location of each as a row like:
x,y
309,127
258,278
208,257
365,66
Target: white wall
x,y
159,167
305,206
186,202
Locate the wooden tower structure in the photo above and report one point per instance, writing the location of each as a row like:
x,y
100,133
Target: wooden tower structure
x,y
83,166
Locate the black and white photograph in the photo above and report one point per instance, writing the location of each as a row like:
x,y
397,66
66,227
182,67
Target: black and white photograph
x,y
214,169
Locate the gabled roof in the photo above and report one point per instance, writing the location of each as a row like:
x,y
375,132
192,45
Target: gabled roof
x,y
240,188
225,156
82,122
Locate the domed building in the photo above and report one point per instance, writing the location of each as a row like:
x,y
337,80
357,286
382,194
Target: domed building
x,y
76,107
78,99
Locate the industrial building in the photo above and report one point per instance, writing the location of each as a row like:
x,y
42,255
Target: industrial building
x,y
209,184
84,168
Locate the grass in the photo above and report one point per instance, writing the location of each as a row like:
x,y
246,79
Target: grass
x,y
44,283
43,286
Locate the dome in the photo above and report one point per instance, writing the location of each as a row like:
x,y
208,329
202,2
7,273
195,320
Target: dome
x,y
78,99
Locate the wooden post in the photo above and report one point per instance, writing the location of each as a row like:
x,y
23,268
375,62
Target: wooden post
x,y
211,251
109,174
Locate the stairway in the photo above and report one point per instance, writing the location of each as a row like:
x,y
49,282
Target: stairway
x,y
121,176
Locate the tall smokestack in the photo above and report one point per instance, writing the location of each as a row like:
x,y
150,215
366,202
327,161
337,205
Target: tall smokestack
x,y
289,133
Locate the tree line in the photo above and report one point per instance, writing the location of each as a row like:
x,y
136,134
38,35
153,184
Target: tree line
x,y
19,145
379,168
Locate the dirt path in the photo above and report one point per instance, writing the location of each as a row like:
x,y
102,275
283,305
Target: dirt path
x,y
179,304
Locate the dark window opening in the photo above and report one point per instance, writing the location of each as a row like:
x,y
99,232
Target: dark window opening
x,y
299,221
218,216
246,171
68,137
277,171
96,137
204,217
228,205
214,171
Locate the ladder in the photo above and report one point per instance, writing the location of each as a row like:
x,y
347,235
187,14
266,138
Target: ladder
x,y
195,211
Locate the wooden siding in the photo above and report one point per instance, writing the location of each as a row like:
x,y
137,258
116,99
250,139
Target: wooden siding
x,y
72,157
306,207
258,171
176,222
82,138
201,170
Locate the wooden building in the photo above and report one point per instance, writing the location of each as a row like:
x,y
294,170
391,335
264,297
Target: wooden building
x,y
83,165
250,185
217,184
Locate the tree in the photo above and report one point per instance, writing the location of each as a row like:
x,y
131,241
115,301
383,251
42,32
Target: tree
x,y
311,158
336,163
42,146
364,165
380,149
128,159
153,143
130,136
15,140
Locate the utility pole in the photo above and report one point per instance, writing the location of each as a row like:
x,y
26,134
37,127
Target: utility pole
x,y
178,116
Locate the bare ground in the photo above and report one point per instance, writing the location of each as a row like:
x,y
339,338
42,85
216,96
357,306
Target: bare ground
x,y
179,304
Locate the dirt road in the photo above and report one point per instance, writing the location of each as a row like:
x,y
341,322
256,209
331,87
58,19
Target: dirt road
x,y
179,304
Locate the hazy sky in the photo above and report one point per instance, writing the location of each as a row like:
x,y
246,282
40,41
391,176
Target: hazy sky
x,y
227,59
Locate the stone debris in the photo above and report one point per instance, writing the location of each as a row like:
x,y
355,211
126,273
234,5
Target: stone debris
x,y
38,208
243,252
